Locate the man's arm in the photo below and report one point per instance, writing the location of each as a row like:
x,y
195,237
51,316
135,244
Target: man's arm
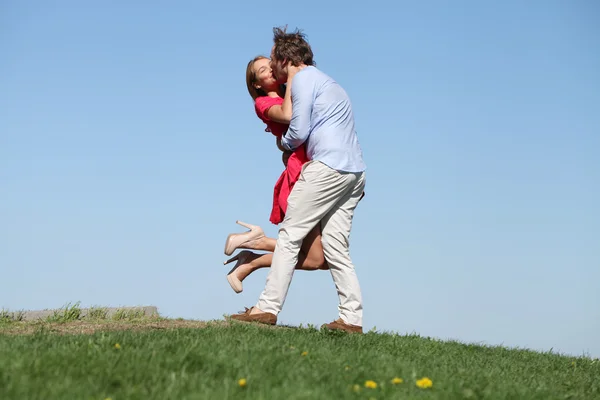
x,y
302,103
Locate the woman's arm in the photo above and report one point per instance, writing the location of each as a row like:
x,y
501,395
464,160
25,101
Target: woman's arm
x,y
283,113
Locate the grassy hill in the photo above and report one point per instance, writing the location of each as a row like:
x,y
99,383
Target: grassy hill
x,y
129,357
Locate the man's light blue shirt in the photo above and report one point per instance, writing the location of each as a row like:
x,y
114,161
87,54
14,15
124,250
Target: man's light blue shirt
x,y
322,117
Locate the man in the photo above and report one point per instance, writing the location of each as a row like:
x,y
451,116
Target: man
x,y
329,187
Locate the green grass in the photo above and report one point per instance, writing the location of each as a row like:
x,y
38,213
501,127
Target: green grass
x,y
128,315
7,316
97,313
73,312
207,362
66,314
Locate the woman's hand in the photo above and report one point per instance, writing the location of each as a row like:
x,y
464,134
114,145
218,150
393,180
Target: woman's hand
x,y
291,70
283,113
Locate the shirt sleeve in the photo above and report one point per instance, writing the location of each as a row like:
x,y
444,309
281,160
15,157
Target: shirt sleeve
x,y
302,104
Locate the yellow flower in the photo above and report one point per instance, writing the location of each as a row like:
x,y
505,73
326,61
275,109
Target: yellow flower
x,y
424,383
108,398
347,367
371,384
397,381
356,388
117,346
242,382
304,353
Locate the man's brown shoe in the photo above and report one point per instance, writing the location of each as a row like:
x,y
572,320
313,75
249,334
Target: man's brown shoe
x,y
262,317
340,325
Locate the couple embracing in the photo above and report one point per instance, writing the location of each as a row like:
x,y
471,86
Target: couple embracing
x,y
314,199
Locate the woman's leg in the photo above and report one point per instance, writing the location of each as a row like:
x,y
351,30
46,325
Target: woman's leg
x,y
250,262
310,258
311,255
264,243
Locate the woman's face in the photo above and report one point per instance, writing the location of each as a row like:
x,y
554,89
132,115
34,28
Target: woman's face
x,y
264,75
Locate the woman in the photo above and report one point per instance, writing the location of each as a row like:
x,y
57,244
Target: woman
x,y
273,105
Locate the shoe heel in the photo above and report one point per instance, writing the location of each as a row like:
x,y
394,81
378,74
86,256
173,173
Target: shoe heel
x,y
234,258
245,225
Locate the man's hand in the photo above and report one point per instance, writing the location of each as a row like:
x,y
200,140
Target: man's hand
x,y
279,145
285,157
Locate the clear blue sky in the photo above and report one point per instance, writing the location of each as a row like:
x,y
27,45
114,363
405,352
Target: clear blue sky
x,y
129,146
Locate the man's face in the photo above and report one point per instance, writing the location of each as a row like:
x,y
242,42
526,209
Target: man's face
x,y
279,70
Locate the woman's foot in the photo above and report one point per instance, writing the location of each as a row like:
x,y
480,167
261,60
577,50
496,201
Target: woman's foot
x,y
246,239
241,270
262,243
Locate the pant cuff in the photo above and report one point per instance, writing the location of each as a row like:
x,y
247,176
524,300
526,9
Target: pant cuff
x,y
265,306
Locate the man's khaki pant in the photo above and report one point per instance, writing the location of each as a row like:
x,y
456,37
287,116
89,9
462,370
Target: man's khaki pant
x,y
327,196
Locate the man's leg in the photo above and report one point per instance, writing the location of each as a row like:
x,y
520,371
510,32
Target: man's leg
x,y
317,191
336,226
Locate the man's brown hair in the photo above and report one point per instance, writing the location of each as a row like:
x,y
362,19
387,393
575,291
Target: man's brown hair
x,y
292,47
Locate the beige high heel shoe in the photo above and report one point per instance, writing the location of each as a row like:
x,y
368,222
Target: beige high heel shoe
x,y
241,258
235,240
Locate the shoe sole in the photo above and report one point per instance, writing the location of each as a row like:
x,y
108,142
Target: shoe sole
x,y
235,284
